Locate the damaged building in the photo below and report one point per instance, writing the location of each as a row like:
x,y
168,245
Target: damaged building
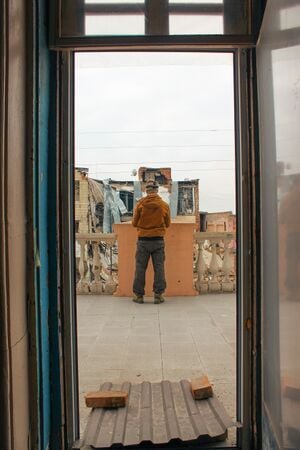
x,y
101,203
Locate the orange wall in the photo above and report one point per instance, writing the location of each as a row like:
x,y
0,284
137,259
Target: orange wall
x,y
178,264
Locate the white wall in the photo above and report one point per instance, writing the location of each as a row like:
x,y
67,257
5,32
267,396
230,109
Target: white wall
x,y
14,429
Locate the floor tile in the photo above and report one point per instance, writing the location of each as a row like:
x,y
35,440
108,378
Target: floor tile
x,y
183,338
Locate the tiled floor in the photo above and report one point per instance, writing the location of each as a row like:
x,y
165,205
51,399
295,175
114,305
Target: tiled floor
x,y
184,337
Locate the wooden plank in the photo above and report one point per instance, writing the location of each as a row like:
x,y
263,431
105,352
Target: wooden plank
x,y
201,388
106,399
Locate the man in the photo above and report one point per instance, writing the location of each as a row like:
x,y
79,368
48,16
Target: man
x,y
151,218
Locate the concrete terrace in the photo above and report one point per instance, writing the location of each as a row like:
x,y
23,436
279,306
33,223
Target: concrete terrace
x,y
119,340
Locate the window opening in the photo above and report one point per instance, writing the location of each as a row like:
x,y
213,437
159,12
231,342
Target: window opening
x,y
151,17
167,118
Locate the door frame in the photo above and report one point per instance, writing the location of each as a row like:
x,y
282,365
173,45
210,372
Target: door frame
x,y
246,200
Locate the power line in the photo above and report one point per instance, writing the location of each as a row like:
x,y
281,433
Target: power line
x,y
152,146
156,131
155,162
174,170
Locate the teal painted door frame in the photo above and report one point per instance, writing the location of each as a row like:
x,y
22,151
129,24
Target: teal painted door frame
x,y
44,140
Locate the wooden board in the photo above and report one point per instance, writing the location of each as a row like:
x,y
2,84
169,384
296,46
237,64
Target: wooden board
x,y
201,388
106,399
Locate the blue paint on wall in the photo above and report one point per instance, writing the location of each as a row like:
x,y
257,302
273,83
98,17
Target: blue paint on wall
x,y
41,194
55,388
45,236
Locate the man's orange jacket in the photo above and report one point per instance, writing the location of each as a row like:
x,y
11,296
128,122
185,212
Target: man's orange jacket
x,y
151,216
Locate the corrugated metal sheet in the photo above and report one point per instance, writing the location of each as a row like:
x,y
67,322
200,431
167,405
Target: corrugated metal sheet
x,y
156,413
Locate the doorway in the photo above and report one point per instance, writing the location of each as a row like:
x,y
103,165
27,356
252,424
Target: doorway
x,y
170,116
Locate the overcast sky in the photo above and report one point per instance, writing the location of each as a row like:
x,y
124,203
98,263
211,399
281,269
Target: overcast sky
x,y
158,110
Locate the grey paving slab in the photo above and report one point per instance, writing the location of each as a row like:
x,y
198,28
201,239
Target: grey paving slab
x,y
177,338
109,349
181,360
109,331
119,322
86,319
143,314
145,361
145,331
150,353
171,348
172,322
185,373
88,330
173,328
89,380
215,346
149,320
205,324
207,336
99,362
218,371
229,334
141,374
144,339
182,338
144,347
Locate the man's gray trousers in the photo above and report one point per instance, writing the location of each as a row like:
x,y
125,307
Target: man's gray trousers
x,y
146,247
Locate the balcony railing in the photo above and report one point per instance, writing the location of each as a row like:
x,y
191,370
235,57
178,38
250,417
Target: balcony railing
x,y
216,262
95,277
97,265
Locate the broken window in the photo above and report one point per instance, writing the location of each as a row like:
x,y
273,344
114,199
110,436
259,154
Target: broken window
x,y
186,200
